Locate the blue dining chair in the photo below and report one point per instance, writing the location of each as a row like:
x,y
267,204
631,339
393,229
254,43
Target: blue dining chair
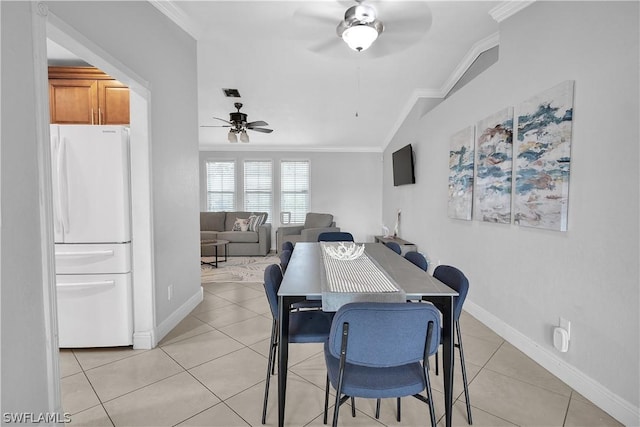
x,y
381,350
394,247
287,246
335,236
285,256
457,281
305,326
418,259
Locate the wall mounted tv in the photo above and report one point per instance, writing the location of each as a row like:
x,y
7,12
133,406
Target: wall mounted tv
x,y
403,166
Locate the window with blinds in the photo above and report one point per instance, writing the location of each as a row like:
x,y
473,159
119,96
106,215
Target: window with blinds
x,y
221,186
258,187
294,189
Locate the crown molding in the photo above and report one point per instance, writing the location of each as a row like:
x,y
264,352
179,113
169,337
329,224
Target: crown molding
x,y
466,62
481,46
508,8
170,9
286,148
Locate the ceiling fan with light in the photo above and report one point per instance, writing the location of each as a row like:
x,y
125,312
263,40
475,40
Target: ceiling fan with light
x,y
238,125
362,27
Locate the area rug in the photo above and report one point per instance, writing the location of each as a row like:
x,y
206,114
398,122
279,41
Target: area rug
x,y
236,269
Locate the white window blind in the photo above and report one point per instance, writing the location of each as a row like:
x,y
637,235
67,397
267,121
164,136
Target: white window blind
x,y
221,186
258,187
294,189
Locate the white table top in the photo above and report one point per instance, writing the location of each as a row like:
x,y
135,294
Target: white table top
x,y
306,276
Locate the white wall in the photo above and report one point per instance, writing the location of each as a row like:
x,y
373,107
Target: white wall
x,y
524,279
141,38
24,342
346,185
152,46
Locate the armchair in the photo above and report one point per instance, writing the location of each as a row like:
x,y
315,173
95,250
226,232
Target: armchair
x,y
314,224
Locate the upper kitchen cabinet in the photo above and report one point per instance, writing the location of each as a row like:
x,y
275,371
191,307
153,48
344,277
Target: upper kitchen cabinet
x,y
86,95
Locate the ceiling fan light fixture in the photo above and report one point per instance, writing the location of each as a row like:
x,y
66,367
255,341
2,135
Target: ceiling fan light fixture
x,y
360,37
243,136
232,136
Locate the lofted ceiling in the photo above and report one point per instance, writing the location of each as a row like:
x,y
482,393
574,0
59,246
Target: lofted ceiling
x,y
293,72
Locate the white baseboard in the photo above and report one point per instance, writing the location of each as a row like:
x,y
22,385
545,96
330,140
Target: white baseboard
x,y
177,316
143,340
619,408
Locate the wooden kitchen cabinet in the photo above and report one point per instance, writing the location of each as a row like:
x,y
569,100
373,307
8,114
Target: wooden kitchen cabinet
x,y
86,95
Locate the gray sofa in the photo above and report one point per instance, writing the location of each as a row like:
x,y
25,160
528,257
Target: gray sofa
x,y
219,225
314,224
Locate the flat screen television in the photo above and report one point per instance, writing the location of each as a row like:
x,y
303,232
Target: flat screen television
x,y
403,166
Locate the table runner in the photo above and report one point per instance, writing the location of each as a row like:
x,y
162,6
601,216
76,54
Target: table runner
x,y
356,280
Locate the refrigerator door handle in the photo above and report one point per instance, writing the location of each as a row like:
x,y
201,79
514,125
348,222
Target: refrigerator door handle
x,y
108,252
63,185
55,149
92,284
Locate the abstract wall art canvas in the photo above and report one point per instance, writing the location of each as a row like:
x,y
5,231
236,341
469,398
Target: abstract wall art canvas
x,y
543,158
461,158
494,161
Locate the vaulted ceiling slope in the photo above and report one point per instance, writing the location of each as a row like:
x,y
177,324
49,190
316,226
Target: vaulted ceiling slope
x,y
293,71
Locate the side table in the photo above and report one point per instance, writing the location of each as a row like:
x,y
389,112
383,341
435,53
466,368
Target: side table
x,y
216,244
405,246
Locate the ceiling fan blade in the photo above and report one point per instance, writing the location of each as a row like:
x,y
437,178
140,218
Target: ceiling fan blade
x,y
257,123
215,126
223,120
307,16
263,130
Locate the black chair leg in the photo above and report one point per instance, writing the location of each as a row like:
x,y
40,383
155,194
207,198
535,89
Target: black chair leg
x,y
270,367
398,410
432,411
464,373
326,401
353,407
377,409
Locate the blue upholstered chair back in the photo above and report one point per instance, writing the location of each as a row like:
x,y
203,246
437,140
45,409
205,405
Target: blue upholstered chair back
x,y
285,256
394,247
335,236
457,281
385,334
418,259
287,246
272,281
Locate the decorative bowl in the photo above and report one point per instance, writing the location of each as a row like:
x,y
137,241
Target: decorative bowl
x,y
343,251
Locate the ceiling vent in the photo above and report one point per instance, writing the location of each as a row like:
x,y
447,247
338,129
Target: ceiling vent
x,y
231,93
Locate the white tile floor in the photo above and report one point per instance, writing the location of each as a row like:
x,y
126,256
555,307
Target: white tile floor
x,y
210,371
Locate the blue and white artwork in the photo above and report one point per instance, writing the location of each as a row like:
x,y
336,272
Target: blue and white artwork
x,y
543,159
461,156
494,161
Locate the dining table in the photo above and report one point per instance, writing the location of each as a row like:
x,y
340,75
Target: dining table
x,y
306,279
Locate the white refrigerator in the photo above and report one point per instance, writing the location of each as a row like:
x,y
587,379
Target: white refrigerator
x,y
92,223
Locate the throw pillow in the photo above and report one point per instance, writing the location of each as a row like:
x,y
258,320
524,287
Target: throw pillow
x,y
241,225
253,220
256,221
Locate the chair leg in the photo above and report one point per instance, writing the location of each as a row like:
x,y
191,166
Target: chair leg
x,y
336,408
377,408
353,407
270,367
398,410
432,411
436,363
326,400
464,373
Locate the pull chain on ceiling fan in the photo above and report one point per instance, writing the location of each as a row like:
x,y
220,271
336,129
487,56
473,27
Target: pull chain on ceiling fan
x,y
238,125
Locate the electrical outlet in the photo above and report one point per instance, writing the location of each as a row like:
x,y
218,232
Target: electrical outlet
x,y
170,292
